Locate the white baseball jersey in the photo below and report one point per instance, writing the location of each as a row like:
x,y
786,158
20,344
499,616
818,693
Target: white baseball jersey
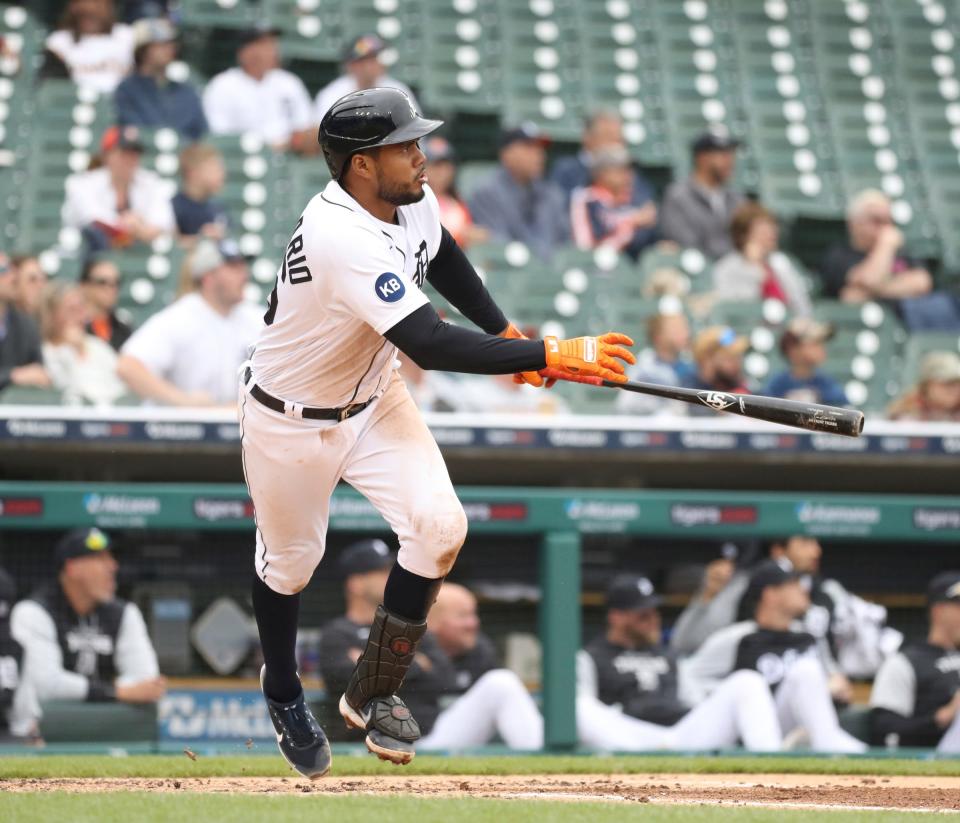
x,y
345,279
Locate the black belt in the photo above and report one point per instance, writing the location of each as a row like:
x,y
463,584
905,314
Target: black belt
x,y
308,412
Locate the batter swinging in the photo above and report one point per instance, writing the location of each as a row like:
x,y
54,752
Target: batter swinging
x,y
320,401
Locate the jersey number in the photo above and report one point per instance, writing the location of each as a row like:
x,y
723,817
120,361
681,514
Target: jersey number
x,y
294,266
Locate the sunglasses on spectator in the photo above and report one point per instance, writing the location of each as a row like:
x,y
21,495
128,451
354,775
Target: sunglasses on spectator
x,y
104,282
881,219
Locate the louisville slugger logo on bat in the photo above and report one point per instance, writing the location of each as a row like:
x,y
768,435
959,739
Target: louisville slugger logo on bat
x,y
718,401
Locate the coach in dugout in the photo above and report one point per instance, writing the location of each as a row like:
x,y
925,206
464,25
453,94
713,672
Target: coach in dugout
x,y
459,699
80,641
787,657
916,695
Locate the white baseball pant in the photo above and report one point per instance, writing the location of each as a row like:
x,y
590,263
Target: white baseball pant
x,y
740,708
498,703
950,742
803,699
386,452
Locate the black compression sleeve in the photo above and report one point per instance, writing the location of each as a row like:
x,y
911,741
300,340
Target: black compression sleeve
x,y
433,344
912,731
452,275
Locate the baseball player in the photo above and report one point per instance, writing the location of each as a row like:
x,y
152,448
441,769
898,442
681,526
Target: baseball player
x,y
629,694
916,696
320,402
787,658
15,715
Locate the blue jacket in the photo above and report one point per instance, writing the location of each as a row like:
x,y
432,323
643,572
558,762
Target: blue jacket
x,y
139,101
536,215
819,388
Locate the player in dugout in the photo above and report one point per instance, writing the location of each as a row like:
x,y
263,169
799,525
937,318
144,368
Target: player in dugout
x,y
630,692
80,641
460,696
916,696
773,644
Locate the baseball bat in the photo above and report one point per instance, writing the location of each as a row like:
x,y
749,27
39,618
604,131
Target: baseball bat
x,y
829,419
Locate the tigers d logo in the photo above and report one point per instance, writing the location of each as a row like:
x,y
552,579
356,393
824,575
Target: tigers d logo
x,y
400,646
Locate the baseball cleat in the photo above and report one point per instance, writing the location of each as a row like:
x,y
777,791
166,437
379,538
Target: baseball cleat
x,y
299,737
391,728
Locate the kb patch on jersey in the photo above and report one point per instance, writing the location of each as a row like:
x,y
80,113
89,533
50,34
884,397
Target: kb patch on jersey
x,y
389,287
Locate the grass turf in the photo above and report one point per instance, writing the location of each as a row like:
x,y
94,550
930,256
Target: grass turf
x,y
153,808
272,766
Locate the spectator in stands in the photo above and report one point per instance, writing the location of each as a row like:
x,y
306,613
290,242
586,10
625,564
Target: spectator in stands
x,y
483,700
16,702
697,212
755,269
718,355
202,177
80,365
616,210
90,47
362,69
21,360
80,641
788,659
937,393
665,360
148,98
516,202
916,695
602,129
100,286
851,633
631,692
258,97
871,265
31,280
118,203
803,344
188,354
442,173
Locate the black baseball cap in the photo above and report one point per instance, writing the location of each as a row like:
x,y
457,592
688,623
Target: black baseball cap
x,y
365,556
631,591
944,588
770,573
257,32
527,132
122,137
362,47
81,543
713,141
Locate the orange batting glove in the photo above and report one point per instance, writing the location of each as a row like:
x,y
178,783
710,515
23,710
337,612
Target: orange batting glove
x,y
511,332
599,356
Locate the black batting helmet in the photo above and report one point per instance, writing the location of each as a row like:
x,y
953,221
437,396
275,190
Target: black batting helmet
x,y
366,119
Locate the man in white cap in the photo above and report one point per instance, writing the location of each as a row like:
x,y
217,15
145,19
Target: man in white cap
x,y
188,353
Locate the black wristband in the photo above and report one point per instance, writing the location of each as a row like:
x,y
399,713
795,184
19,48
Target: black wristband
x,y
100,691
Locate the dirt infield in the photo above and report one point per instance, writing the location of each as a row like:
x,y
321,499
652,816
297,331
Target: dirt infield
x,y
799,791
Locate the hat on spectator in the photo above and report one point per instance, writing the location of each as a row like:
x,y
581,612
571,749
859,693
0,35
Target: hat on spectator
x,y
81,543
526,132
365,556
713,141
257,32
209,255
153,30
944,588
715,338
941,366
805,330
630,591
609,157
364,46
437,149
121,137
